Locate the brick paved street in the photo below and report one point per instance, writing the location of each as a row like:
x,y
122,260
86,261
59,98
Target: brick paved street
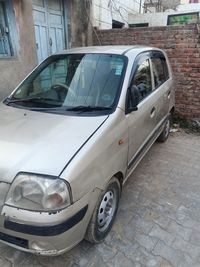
x,y
158,222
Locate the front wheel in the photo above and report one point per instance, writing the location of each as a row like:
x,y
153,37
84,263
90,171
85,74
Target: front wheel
x,y
104,213
165,133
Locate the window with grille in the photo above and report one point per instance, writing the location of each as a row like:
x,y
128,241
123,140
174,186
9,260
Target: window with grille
x,y
5,45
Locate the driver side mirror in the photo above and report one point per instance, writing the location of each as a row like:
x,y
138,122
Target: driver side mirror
x,y
133,98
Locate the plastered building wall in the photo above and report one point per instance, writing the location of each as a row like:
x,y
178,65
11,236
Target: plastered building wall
x,y
13,69
104,11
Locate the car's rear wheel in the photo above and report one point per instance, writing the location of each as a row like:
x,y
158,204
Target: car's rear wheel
x,y
165,133
104,213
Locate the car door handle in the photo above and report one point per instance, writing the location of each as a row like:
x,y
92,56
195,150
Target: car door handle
x,y
167,94
153,111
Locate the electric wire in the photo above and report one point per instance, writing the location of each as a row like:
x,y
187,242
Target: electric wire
x,y
119,8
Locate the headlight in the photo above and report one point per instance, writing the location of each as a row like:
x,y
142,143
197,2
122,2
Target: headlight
x,y
41,193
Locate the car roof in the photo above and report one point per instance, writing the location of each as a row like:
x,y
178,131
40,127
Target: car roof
x,y
112,49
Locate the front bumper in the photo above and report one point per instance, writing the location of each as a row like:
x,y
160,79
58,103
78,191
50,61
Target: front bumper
x,y
46,233
51,230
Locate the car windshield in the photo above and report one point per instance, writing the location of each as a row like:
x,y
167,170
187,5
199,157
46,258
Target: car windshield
x,y
73,83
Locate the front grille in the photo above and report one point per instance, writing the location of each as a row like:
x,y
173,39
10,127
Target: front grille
x,y
4,187
14,240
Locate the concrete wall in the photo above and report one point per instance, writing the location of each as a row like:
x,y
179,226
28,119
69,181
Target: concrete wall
x,y
188,7
80,24
182,44
13,69
153,19
104,11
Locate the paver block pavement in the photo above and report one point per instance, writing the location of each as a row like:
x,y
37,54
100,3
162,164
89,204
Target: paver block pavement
x,y
158,222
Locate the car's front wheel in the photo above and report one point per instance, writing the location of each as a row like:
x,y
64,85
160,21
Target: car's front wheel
x,y
104,213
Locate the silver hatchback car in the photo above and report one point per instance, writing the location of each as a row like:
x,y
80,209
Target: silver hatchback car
x,y
70,135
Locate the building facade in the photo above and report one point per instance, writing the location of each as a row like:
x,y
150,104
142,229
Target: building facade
x,y
189,1
161,19
108,14
30,30
153,6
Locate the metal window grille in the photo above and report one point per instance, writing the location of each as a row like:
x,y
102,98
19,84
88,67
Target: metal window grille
x,y
5,47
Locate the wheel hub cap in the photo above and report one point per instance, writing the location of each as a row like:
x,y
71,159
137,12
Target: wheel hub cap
x,y
106,210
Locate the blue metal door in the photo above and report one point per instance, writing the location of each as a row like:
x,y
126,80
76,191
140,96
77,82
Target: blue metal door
x,y
49,27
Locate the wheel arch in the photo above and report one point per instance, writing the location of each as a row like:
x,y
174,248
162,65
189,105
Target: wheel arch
x,y
120,177
172,110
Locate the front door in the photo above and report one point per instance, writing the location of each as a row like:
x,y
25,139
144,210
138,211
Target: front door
x,y
141,123
48,18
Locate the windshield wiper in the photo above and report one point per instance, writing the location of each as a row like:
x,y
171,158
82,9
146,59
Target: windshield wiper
x,y
30,99
88,108
56,108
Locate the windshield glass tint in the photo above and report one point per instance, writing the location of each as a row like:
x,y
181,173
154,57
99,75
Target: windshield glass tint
x,y
76,80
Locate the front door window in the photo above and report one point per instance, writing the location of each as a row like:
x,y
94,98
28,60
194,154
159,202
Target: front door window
x,y
142,79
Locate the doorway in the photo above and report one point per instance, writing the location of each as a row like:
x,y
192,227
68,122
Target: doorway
x,y
49,23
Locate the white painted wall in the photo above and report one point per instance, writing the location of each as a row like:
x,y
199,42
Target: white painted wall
x,y
104,11
188,7
155,19
186,1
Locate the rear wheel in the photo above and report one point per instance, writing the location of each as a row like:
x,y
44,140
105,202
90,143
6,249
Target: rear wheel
x,y
165,133
104,213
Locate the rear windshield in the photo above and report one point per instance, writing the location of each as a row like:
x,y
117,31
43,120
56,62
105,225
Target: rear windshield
x,y
74,82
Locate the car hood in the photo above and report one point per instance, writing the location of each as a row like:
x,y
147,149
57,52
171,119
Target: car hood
x,y
38,142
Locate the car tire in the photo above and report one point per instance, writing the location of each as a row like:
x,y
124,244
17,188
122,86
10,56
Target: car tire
x,y
104,213
166,131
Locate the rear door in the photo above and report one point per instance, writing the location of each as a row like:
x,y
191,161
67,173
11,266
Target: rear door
x,y
162,84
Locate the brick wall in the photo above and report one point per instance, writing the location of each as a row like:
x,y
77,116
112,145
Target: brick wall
x,y
182,44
